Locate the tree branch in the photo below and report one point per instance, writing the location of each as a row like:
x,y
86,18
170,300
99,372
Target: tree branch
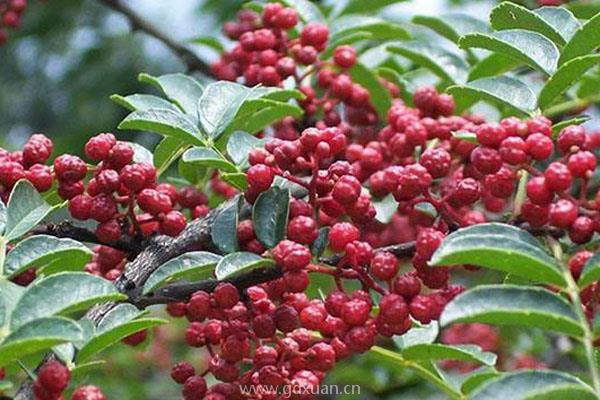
x,y
193,62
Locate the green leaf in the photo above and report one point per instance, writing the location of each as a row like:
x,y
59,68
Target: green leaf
x,y
117,324
466,136
257,114
557,24
362,6
164,122
236,179
477,378
318,246
533,384
141,154
135,102
238,263
219,105
493,65
436,351
307,10
513,305
397,79
5,386
10,293
40,250
441,62
591,271
502,247
559,126
379,96
205,157
529,47
61,294
190,266
566,76
385,209
239,146
37,335
501,90
26,208
224,229
181,89
3,217
584,41
167,151
82,370
379,29
270,215
452,26
209,41
418,335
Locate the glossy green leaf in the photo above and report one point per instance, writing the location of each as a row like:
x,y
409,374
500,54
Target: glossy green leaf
x,y
238,263
26,208
379,96
257,114
141,154
167,151
37,335
385,209
584,41
40,250
60,294
10,293
135,102
466,136
436,351
83,370
270,215
205,157
533,384
426,208
164,122
441,62
220,103
239,146
591,271
3,217
343,7
502,90
235,179
559,126
181,89
378,28
566,76
556,23
5,386
191,266
502,247
418,335
477,378
3,310
529,47
513,305
452,26
493,65
583,9
307,10
398,80
117,324
318,246
349,39
224,229
209,41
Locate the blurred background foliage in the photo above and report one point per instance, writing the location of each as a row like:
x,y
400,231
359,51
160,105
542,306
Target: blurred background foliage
x,y
56,75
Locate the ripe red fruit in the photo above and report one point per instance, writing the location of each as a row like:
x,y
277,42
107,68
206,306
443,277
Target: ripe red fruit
x,y
538,191
198,307
36,151
10,173
407,286
108,181
355,312
346,190
491,134
344,56
581,230
341,234
69,168
53,376
513,150
98,147
154,202
120,155
103,208
108,232
226,295
172,223
558,177
572,136
539,146
40,177
424,308
68,190
392,309
486,160
436,161
562,213
582,163
88,392
302,229
384,265
467,192
194,388
136,338
314,34
285,18
260,177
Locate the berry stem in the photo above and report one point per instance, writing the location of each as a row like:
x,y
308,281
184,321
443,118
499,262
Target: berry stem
x,y
573,293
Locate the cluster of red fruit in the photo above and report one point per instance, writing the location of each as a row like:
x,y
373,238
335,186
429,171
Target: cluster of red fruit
x,y
264,54
52,380
10,16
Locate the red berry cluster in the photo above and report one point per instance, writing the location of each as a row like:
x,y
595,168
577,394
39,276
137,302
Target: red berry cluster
x,y
484,336
106,262
27,164
10,16
52,380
